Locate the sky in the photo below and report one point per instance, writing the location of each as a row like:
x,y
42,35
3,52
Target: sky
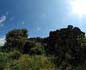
x,y
39,17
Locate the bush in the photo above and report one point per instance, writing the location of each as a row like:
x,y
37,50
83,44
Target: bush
x,y
37,48
27,62
14,55
3,60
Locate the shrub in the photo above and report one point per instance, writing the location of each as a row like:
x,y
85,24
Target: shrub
x,y
3,60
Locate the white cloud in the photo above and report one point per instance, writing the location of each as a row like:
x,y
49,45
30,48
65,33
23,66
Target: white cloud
x,y
2,41
2,19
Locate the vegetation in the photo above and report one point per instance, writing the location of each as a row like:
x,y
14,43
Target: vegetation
x,y
64,49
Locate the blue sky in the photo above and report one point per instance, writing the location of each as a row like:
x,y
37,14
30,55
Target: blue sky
x,y
38,16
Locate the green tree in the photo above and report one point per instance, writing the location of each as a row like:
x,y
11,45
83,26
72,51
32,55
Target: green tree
x,y
16,39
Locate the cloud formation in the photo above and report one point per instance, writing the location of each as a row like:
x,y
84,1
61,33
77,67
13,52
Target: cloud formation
x,y
2,41
2,19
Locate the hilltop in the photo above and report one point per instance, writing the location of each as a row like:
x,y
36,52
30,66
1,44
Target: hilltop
x,y
64,49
